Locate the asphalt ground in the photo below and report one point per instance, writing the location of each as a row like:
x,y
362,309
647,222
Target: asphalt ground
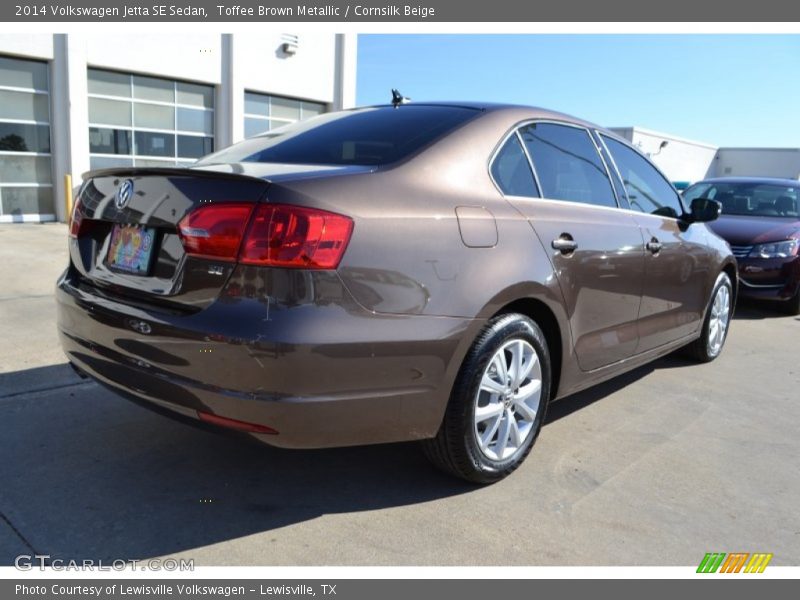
x,y
656,467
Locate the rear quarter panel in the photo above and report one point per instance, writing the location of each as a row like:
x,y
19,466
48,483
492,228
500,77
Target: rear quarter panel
x,y
407,256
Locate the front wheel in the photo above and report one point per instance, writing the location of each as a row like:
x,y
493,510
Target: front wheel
x,y
497,404
715,327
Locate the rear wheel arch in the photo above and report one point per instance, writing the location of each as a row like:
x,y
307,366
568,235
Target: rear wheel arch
x,y
543,316
498,402
555,328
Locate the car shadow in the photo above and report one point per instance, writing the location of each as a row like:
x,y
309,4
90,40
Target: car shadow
x,y
575,402
752,310
88,475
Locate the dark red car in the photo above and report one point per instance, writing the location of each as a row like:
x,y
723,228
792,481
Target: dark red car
x,y
760,221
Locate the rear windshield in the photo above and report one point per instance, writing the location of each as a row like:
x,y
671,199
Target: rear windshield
x,y
750,198
369,136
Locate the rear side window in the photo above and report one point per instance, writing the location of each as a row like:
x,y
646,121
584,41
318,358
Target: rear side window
x,y
646,188
512,172
368,136
567,164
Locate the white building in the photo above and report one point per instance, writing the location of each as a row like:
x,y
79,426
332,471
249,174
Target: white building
x,y
685,160
71,102
768,162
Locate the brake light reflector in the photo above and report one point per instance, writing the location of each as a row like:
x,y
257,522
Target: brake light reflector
x,y
234,424
216,230
288,236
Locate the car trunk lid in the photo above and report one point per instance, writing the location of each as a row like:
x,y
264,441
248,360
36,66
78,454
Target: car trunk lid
x,y
126,239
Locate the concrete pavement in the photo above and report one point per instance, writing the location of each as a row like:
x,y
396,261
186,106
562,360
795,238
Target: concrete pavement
x,y
657,467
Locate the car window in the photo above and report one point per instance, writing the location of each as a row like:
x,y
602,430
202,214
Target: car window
x,y
567,164
698,190
512,171
646,188
749,198
368,136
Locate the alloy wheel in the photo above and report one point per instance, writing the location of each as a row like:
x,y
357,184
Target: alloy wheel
x,y
508,400
720,317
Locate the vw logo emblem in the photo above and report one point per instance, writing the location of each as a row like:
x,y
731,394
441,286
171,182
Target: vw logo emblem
x,y
124,193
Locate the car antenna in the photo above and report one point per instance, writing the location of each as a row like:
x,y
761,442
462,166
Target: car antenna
x,y
398,98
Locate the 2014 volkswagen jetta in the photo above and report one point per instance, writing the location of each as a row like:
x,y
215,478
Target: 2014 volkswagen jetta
x,y
433,272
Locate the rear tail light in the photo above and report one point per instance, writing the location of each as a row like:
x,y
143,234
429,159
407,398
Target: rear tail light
x,y
76,218
295,237
235,424
215,231
277,235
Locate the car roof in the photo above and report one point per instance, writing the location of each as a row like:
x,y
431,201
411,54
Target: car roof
x,y
518,111
453,104
775,180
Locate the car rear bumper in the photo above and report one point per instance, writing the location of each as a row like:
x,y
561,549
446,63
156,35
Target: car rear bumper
x,y
315,365
769,279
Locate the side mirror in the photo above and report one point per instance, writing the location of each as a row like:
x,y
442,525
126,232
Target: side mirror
x,y
705,210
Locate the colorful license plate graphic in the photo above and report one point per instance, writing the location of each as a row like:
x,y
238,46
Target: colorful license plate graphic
x,y
131,248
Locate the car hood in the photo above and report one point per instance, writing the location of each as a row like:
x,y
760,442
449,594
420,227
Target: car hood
x,y
746,231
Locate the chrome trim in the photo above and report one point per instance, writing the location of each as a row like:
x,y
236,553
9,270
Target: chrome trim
x,y
616,168
532,167
631,211
600,135
595,206
625,142
741,251
515,130
594,138
594,145
771,286
496,151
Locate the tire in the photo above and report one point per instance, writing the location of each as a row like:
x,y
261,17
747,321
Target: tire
x,y
716,324
792,306
490,427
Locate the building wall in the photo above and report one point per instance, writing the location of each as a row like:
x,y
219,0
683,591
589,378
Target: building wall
x,y
680,159
758,162
180,56
321,71
34,45
689,161
265,68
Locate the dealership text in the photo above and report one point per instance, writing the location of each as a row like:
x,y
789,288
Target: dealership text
x,y
163,589
28,562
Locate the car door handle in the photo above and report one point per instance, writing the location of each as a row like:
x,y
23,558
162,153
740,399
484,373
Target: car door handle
x,y
564,244
654,246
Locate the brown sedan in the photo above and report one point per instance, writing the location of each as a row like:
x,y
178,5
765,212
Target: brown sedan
x,y
430,272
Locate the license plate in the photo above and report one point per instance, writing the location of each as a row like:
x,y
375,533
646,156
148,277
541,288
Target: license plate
x,y
131,248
